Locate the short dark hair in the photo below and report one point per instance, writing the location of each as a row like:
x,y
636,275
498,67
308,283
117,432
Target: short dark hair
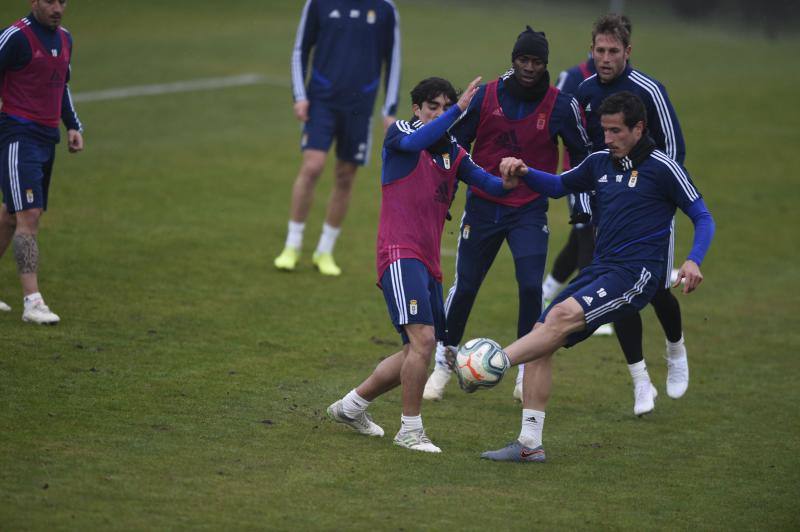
x,y
430,88
628,104
617,25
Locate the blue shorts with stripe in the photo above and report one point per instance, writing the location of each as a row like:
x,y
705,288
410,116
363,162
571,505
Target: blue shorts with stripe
x,y
25,169
607,292
413,296
350,127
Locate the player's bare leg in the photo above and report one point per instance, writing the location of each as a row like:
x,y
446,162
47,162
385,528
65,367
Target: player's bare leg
x,y
302,197
414,374
26,254
566,318
338,202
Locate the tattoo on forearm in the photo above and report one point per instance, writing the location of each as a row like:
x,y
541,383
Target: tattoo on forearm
x,y
26,252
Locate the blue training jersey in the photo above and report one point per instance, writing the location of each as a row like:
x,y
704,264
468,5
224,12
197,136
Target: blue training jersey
x,y
662,123
406,139
635,205
569,80
565,121
351,40
15,54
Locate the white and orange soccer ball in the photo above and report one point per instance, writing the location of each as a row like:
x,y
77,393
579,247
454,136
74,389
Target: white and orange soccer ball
x,y
480,363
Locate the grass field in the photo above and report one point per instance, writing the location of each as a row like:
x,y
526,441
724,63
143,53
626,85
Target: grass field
x,y
186,385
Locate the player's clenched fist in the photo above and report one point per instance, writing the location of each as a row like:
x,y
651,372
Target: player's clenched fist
x,y
512,167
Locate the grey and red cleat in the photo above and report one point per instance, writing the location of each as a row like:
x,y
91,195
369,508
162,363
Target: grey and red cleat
x,y
516,452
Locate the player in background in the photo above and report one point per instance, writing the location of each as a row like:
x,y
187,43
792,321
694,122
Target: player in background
x,y
421,164
577,252
351,40
637,190
521,115
35,57
611,50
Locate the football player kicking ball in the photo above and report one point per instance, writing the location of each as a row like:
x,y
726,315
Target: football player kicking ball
x,y
638,189
421,163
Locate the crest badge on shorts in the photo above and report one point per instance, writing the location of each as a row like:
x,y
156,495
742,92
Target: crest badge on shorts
x,y
412,307
29,195
465,233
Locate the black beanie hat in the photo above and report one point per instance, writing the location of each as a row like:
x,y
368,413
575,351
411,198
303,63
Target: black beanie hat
x,y
531,42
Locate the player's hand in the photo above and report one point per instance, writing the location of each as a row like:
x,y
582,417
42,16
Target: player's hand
x,y
510,182
388,121
469,92
690,276
74,141
513,167
301,110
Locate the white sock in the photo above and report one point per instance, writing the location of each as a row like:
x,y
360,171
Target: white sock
x,y
639,372
353,404
532,424
441,360
520,373
32,298
328,238
294,237
676,350
551,287
410,423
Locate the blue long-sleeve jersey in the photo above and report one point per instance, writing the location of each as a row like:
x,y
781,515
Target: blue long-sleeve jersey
x,y
565,121
662,123
351,41
405,140
635,205
569,80
15,54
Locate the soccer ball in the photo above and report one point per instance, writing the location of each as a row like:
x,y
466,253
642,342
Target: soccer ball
x,y
480,363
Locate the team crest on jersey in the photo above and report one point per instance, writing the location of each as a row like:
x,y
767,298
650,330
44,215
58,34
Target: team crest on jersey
x,y
588,299
633,179
29,195
412,307
541,121
371,17
446,160
465,233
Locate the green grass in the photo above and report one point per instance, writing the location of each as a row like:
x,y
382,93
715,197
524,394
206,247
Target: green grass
x,y
186,385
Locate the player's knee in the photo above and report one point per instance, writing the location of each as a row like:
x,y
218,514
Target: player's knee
x,y
562,318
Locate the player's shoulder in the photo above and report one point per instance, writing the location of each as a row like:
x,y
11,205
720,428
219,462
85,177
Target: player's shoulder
x,y
588,84
641,79
401,128
667,166
13,34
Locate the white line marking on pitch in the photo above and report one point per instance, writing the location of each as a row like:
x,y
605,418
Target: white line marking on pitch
x,y
179,86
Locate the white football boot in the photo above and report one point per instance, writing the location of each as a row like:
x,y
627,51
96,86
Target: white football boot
x,y
38,312
434,388
605,329
361,423
4,307
677,372
416,440
644,396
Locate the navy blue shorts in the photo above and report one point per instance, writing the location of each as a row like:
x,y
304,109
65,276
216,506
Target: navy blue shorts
x,y
349,127
608,292
413,296
25,169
